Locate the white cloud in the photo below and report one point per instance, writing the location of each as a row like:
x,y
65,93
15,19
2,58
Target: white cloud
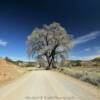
x,y
97,48
3,43
91,57
98,51
87,49
86,38
85,57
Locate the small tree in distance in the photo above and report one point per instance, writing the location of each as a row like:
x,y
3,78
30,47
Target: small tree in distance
x,y
51,43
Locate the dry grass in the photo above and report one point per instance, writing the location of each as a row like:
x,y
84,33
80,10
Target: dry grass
x,y
88,74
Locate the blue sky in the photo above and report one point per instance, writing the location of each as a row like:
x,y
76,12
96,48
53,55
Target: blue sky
x,y
19,17
86,47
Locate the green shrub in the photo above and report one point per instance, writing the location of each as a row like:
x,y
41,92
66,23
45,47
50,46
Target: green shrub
x,y
96,59
75,63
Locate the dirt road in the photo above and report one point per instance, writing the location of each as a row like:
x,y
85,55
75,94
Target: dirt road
x,y
48,85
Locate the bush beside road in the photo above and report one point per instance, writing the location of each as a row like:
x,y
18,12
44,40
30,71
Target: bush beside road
x,y
87,74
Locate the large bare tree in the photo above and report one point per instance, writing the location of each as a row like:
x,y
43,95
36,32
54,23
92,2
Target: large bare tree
x,y
51,43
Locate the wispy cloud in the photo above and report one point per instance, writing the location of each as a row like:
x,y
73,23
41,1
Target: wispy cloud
x,y
86,38
97,48
87,49
98,51
90,57
3,43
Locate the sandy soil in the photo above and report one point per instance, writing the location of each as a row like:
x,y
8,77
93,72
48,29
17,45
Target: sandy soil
x,y
48,85
8,71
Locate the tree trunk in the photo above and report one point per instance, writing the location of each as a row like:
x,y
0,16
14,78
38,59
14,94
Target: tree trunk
x,y
50,58
49,62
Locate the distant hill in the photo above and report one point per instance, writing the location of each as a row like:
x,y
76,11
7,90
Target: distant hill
x,y
90,63
97,59
21,63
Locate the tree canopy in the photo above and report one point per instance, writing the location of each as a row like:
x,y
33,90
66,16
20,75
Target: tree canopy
x,y
50,43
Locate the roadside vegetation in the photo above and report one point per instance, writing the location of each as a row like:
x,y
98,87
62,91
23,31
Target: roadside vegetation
x,y
88,73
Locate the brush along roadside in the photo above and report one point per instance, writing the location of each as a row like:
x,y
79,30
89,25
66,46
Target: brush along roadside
x,y
89,74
